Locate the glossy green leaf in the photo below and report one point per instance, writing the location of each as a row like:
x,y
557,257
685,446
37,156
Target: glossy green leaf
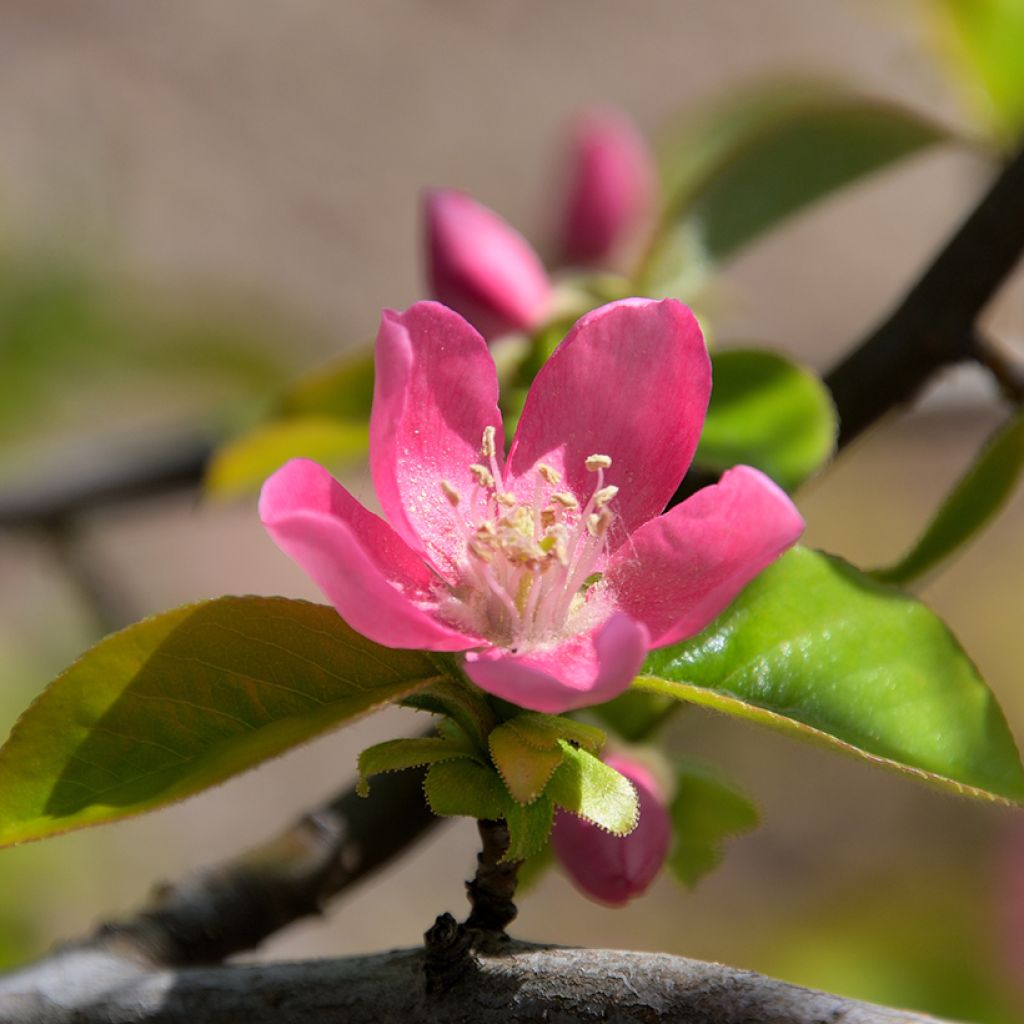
x,y
705,811
765,157
185,699
466,788
343,389
529,826
411,752
769,412
242,464
975,499
592,790
816,649
524,768
984,40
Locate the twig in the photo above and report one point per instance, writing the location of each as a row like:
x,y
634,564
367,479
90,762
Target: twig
x,y
522,983
1003,364
491,891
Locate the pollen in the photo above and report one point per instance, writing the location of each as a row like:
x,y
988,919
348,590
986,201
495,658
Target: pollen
x,y
596,462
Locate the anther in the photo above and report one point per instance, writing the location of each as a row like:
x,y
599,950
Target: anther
x,y
504,498
487,447
598,523
551,475
605,495
596,462
483,476
565,499
451,494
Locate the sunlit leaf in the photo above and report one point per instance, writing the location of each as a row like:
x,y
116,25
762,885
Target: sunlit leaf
x,y
466,788
411,752
705,811
529,826
815,648
770,413
185,699
761,158
241,465
976,498
524,768
592,790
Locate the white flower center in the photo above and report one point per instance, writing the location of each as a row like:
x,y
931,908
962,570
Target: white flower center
x,y
530,575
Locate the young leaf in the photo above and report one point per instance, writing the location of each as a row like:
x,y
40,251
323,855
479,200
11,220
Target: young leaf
x,y
524,769
781,154
975,499
242,464
705,811
542,732
395,755
528,828
815,648
767,412
590,789
183,700
466,788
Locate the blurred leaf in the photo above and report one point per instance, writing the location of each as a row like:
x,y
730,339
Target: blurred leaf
x,y
533,868
770,413
342,389
816,649
525,769
592,790
760,158
705,811
529,826
185,699
984,40
466,788
635,715
975,499
241,465
411,752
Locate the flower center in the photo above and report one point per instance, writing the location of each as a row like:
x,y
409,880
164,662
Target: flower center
x,y
531,571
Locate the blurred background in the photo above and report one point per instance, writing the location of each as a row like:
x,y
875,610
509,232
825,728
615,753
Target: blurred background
x,y
201,198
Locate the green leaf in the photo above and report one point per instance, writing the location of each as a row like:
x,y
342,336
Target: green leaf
x,y
767,412
524,769
984,40
466,788
242,464
975,499
635,715
544,731
816,649
343,389
396,755
705,811
529,827
183,700
590,789
456,698
761,158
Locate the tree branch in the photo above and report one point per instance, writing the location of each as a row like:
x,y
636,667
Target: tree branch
x,y
514,983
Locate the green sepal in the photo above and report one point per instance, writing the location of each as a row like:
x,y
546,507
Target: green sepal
x,y
528,827
455,698
705,811
542,732
465,788
396,755
587,787
524,769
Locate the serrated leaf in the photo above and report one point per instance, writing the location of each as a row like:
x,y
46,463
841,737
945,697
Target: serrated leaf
x,y
976,498
466,788
413,752
587,787
241,465
524,769
757,160
185,699
705,811
542,732
818,650
529,827
768,412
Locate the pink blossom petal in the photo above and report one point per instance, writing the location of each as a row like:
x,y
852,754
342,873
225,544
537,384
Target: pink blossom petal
x,y
588,668
611,187
479,265
631,381
376,582
435,391
615,869
682,569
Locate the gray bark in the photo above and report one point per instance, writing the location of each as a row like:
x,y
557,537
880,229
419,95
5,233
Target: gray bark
x,y
512,983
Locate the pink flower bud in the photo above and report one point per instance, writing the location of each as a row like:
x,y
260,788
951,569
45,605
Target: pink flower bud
x,y
611,188
482,267
615,869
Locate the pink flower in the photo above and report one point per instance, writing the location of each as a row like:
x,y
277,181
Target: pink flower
x,y
611,188
615,869
481,266
550,569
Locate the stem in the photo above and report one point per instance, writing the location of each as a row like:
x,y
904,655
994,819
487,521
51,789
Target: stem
x,y
491,891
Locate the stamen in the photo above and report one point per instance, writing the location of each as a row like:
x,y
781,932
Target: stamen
x,y
605,495
487,446
451,494
506,499
598,523
483,475
551,475
567,500
596,462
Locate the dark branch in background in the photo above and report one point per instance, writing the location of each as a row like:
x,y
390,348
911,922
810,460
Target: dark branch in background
x,y
1006,366
235,905
513,984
